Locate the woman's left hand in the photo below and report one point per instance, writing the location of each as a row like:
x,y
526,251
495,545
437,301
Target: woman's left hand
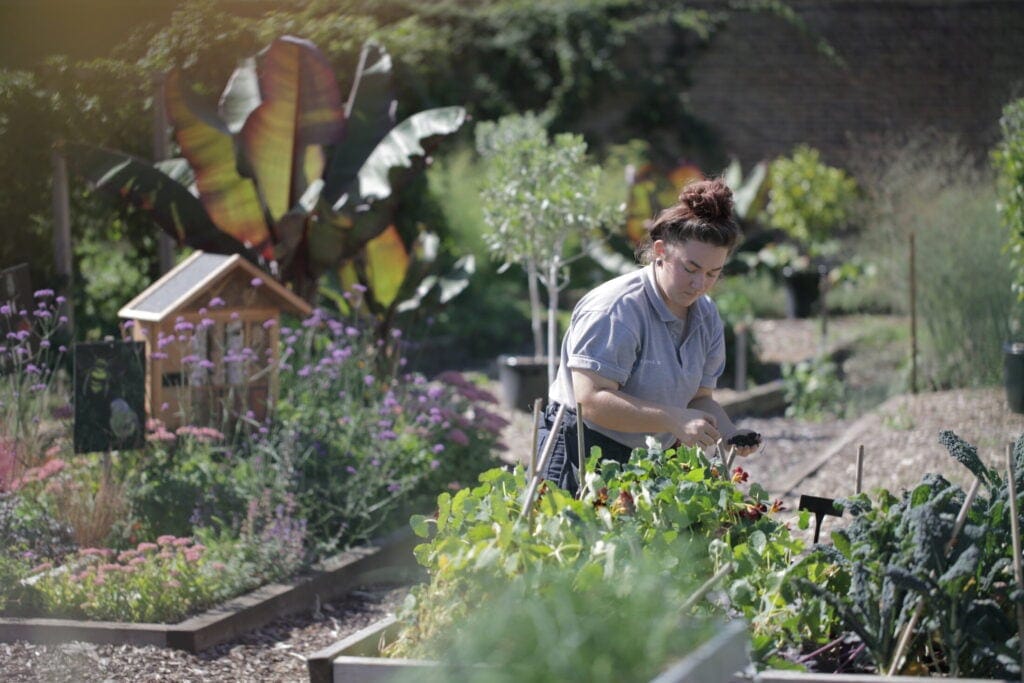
x,y
748,440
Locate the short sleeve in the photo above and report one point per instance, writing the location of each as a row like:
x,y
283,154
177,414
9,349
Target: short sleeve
x,y
604,343
714,363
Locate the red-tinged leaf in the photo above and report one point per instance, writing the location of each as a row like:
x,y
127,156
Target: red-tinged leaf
x,y
169,203
301,107
387,263
230,200
369,115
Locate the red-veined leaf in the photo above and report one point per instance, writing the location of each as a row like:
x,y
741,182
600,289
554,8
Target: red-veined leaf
x,y
230,200
301,107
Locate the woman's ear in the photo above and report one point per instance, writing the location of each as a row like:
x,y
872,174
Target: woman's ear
x,y
658,249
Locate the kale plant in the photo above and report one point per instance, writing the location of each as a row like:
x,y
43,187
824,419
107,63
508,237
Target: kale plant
x,y
899,553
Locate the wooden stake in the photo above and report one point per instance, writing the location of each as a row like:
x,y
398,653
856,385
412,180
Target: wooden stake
x,y
580,445
860,468
1018,570
542,464
533,440
913,318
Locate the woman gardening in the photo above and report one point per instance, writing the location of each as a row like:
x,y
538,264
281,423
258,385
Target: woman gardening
x,y
644,351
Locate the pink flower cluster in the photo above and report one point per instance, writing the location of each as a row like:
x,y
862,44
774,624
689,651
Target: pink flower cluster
x,y
200,434
39,474
101,564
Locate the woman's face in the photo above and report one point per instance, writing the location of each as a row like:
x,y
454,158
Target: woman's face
x,y
686,271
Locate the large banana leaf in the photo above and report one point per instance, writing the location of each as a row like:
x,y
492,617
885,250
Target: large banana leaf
x,y
409,140
301,107
148,189
230,200
369,115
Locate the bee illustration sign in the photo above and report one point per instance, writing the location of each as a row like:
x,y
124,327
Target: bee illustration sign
x,y
109,395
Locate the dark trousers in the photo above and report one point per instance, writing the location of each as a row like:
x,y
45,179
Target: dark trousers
x,y
563,467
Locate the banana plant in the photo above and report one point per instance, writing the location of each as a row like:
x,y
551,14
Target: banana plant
x,y
281,170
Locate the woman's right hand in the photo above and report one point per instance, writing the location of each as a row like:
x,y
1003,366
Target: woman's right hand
x,y
697,428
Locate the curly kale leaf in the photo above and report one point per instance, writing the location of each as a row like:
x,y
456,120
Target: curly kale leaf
x,y
967,455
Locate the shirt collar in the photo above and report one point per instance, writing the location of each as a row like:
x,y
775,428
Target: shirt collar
x,y
696,312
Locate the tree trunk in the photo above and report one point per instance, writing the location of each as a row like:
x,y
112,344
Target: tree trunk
x,y
552,287
535,308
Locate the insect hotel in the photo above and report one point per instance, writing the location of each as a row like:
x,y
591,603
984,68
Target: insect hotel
x,y
210,326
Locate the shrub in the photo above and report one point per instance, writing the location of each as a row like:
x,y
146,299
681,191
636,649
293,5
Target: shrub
x,y
930,188
813,389
809,200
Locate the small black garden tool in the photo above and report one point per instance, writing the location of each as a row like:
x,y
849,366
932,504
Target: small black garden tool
x,y
820,507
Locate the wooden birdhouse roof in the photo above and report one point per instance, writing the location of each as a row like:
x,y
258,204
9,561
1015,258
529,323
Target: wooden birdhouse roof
x,y
188,285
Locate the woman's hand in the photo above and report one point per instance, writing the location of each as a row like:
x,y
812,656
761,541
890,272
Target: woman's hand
x,y
696,428
748,440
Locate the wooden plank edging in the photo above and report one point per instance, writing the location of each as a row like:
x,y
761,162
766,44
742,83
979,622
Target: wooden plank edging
x,y
334,578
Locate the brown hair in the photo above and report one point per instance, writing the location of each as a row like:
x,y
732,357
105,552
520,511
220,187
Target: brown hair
x,y
704,213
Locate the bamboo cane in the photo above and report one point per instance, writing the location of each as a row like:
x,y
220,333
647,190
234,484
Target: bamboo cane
x,y
1018,570
707,585
908,631
580,445
549,448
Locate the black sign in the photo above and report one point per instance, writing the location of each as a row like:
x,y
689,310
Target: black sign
x,y
110,386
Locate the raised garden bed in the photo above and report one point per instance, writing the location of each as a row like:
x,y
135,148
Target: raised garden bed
x,y
357,659
329,580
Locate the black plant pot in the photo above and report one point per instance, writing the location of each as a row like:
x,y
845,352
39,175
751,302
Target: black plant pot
x,y
523,379
803,290
1013,375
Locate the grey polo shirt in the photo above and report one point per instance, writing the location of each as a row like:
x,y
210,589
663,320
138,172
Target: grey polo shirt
x,y
623,330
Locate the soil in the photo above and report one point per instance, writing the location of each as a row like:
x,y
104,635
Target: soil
x,y
899,433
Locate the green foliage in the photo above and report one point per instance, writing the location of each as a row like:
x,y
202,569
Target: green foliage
x,y
623,624
809,200
1008,159
186,479
661,506
813,389
364,444
929,188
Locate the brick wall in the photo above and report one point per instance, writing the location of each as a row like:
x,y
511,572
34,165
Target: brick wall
x,y
763,86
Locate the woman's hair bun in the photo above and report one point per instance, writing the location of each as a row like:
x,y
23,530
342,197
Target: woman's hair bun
x,y
709,200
